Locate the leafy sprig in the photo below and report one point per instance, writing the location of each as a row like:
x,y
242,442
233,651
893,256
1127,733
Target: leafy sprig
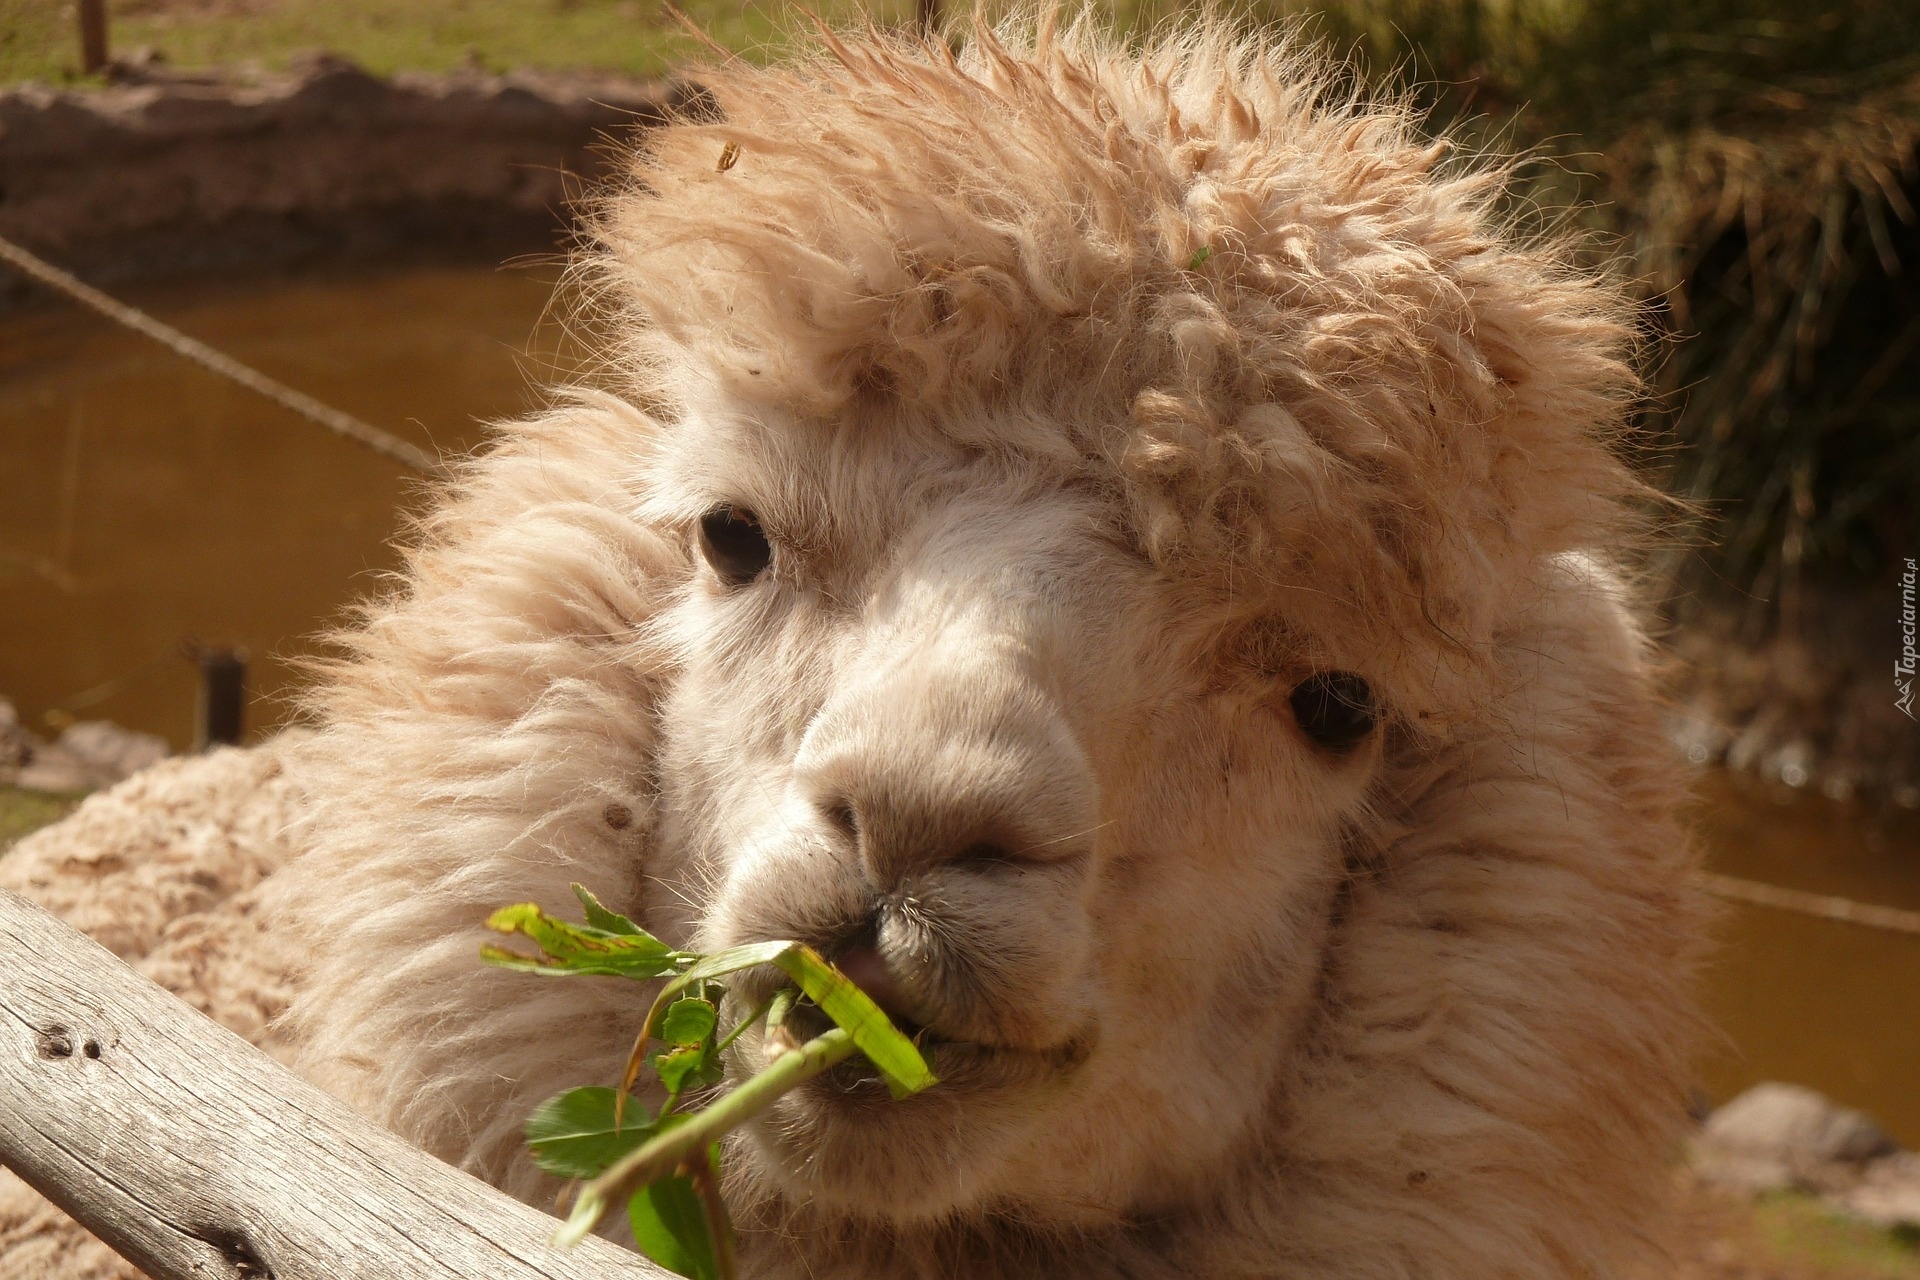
x,y
666,1165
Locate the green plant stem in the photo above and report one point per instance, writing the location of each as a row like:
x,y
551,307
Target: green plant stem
x,y
780,1005
760,1011
719,1224
664,1155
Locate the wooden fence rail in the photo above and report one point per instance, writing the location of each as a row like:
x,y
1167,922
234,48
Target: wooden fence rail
x,y
197,1156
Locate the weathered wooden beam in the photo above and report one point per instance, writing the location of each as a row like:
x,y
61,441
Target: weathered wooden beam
x,y
197,1156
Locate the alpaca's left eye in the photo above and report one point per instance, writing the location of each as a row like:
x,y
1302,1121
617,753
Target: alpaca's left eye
x,y
734,544
1334,708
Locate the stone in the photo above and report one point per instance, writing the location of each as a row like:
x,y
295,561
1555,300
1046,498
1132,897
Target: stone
x,y
1888,1193
16,744
88,756
112,751
1795,1125
1699,735
57,770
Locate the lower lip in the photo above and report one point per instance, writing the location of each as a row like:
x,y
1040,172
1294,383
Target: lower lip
x,y
958,1066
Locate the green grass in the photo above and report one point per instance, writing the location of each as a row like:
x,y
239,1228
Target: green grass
x,y
1796,1229
22,812
39,38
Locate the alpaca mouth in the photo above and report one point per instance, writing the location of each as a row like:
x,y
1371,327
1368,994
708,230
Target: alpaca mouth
x,y
943,1025
961,1065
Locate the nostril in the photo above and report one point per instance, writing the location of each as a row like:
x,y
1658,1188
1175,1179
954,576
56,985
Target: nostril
x,y
984,853
871,973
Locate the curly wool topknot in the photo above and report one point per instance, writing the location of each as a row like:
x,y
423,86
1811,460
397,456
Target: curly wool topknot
x,y
1337,387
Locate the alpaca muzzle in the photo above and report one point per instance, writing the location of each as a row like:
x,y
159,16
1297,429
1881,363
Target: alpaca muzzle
x,y
936,842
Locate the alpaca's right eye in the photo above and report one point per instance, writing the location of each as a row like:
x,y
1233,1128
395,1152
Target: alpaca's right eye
x,y
1335,709
734,544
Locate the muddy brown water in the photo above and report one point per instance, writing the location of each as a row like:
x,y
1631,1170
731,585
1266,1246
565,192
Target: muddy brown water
x,y
144,502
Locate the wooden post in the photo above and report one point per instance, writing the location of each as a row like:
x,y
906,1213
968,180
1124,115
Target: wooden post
x,y
93,35
197,1157
221,716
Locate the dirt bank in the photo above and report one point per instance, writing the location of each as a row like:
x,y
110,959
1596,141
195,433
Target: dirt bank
x,y
186,173
1816,707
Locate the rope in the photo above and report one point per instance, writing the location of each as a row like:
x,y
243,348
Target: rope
x,y
1813,904
344,424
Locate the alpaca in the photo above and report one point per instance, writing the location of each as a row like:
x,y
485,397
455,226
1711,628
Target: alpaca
x,y
1123,549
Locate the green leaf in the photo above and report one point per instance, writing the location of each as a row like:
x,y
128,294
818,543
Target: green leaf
x,y
573,1134
689,1026
904,1070
671,1228
732,960
681,1135
689,1021
501,958
1200,257
573,948
873,1032
688,1067
601,918
717,965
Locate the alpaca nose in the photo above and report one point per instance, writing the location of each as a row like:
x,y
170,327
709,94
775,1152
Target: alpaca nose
x,y
908,780
893,839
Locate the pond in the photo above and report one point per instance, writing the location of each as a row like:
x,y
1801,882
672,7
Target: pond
x,y
144,503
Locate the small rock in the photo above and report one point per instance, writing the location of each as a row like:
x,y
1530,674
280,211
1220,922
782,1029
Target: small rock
x,y
1792,763
1888,1193
1792,1122
16,744
113,752
54,768
1752,741
88,756
1782,1135
1840,785
1755,1175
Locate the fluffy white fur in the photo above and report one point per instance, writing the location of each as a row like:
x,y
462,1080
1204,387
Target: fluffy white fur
x,y
1091,401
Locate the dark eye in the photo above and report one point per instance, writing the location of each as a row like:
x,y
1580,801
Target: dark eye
x,y
1334,708
734,544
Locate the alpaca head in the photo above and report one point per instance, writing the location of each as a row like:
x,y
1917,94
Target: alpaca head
x,y
1086,464
1112,547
